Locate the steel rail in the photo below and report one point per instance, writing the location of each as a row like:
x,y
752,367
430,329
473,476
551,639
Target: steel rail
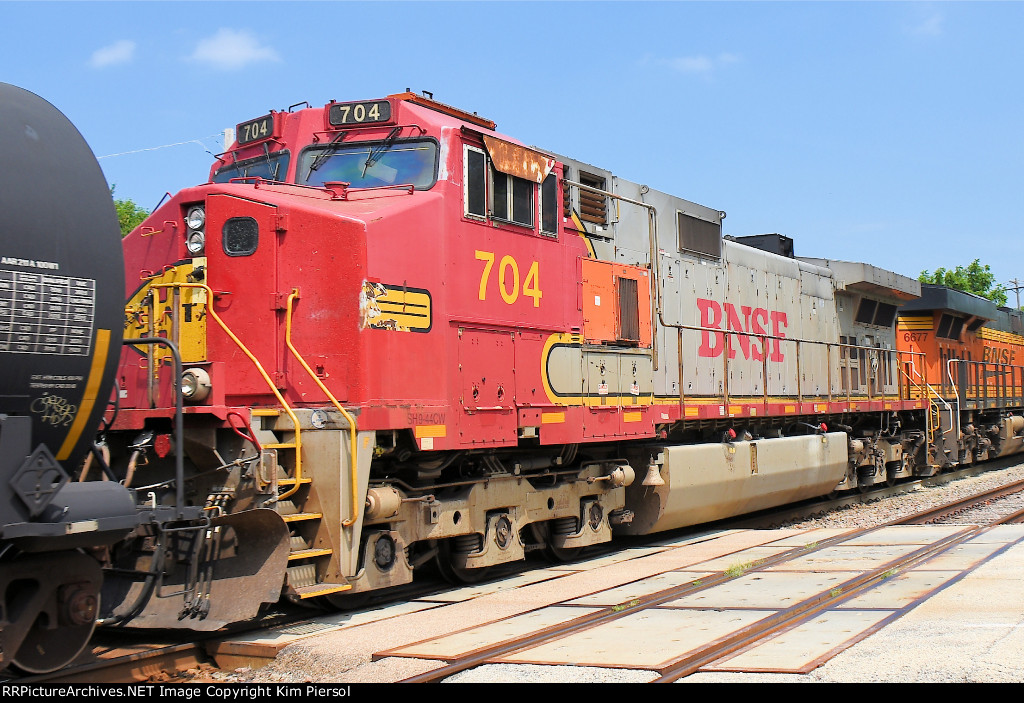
x,y
926,516
611,614
743,638
809,608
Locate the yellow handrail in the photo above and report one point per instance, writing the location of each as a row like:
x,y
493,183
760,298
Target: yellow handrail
x,y
259,367
351,420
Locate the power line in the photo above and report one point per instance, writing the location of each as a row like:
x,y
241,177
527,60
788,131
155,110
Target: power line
x,y
1017,286
164,146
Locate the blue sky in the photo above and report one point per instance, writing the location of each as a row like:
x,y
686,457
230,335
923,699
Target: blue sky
x,y
868,131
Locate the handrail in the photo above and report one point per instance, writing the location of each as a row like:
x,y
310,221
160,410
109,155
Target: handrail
x,y
259,367
933,392
179,423
351,420
978,389
764,338
652,226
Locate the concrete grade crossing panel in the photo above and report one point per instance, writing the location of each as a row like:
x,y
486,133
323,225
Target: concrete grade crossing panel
x,y
646,640
656,637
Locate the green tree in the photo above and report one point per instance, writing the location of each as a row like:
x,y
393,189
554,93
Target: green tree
x,y
974,278
129,215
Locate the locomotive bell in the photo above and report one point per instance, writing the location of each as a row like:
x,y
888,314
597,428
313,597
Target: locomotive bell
x,y
653,477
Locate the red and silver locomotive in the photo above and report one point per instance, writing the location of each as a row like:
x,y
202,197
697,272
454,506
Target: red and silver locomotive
x,y
406,339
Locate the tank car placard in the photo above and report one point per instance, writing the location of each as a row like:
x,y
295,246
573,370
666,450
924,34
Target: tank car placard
x,y
46,314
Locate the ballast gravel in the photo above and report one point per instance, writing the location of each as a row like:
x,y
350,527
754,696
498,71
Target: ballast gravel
x,y
958,635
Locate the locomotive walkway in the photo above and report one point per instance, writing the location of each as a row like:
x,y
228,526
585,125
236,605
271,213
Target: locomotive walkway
x,y
657,606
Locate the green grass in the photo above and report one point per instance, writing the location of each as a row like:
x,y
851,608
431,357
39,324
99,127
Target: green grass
x,y
738,569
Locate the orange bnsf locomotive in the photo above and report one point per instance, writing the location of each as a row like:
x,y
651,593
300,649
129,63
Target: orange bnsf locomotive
x,y
973,353
409,341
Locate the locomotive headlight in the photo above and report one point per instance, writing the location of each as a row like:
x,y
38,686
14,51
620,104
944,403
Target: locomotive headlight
x,y
196,217
195,243
195,385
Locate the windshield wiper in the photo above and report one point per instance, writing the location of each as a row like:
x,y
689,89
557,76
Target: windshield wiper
x,y
327,151
272,167
379,150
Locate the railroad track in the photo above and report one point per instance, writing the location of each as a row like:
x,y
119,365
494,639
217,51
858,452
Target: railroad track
x,y
782,517
761,630
113,661
963,506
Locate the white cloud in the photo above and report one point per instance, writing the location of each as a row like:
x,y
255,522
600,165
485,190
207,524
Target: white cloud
x,y
929,27
119,52
690,64
231,49
694,65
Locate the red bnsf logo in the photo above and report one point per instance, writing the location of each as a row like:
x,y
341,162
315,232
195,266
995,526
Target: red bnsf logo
x,y
745,321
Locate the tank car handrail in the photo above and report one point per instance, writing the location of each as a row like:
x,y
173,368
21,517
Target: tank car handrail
x,y
179,418
259,368
351,420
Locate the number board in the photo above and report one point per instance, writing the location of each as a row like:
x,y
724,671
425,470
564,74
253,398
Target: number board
x,y
255,130
360,113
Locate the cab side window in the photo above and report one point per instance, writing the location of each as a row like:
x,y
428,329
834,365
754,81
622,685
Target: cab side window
x,y
548,205
512,199
475,178
491,194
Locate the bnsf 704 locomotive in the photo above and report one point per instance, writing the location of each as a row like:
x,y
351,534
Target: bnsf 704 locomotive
x,y
408,340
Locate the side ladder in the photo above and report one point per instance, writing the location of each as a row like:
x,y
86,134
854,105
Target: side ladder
x,y
307,562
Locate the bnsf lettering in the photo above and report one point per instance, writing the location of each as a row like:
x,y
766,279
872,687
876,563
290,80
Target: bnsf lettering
x,y
998,356
746,321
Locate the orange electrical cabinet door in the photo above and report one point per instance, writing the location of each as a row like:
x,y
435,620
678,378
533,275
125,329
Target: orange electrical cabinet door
x,y
616,304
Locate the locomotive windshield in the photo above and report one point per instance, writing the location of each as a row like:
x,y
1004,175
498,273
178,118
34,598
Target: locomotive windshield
x,y
371,164
271,167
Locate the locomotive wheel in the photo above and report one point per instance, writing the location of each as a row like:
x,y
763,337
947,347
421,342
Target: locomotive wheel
x,y
44,649
62,592
455,574
557,555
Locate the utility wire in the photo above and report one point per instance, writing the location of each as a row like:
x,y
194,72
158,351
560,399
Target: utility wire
x,y
164,146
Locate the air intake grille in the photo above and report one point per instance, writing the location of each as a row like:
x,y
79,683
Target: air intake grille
x,y
629,311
